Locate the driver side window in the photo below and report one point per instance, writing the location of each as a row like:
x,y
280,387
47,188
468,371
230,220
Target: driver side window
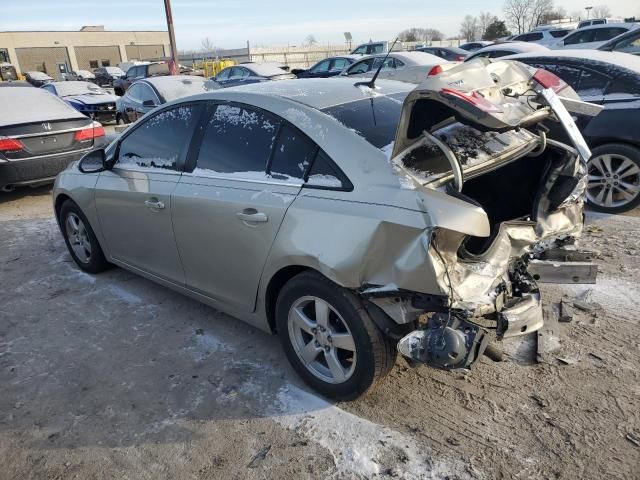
x,y
160,142
321,67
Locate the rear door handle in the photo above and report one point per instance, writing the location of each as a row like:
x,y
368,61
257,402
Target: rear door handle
x,y
154,204
252,215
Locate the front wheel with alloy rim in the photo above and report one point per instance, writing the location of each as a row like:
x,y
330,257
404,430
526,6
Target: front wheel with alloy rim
x,y
80,239
614,178
329,338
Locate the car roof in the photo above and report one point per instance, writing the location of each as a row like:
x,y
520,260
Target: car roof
x,y
171,87
415,58
515,46
35,73
630,26
321,93
623,60
263,69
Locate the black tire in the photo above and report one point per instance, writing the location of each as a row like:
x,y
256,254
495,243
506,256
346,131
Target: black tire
x,y
118,91
375,353
617,150
96,261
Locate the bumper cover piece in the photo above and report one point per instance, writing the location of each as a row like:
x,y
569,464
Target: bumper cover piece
x,y
447,343
520,315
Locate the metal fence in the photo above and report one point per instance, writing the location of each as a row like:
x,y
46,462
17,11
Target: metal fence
x,y
294,57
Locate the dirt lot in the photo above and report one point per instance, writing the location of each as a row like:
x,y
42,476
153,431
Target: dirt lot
x,y
114,377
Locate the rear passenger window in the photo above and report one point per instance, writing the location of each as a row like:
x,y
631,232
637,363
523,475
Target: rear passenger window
x,y
160,141
293,154
325,175
592,84
237,139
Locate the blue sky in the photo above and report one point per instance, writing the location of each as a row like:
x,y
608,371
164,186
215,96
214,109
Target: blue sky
x,y
230,23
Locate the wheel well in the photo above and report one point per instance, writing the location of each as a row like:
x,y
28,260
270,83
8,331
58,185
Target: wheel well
x,y
607,141
276,283
60,199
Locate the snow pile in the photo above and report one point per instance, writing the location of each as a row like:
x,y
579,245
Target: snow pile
x,y
357,445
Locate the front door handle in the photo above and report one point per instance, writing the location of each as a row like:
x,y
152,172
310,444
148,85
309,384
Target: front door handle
x,y
252,215
154,204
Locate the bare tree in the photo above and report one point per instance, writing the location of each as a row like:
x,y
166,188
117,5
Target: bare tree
x,y
432,34
601,11
523,15
469,28
207,44
310,40
484,20
540,9
516,13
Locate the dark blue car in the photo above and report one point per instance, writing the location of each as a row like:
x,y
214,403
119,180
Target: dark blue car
x,y
246,73
86,97
329,67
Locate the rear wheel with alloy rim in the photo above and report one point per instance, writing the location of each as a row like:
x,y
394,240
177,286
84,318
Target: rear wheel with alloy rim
x,y
614,178
329,338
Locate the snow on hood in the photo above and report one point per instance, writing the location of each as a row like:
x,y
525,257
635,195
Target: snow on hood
x,y
90,99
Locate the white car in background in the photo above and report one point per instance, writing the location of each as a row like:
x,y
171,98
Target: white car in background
x,y
545,37
599,21
594,36
411,67
498,50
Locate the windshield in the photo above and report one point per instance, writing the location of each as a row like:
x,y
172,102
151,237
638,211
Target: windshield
x,y
64,89
114,71
375,119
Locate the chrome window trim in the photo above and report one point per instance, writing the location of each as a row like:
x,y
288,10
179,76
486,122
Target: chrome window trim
x,y
42,134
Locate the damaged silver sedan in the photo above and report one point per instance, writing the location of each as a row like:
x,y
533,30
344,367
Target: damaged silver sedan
x,y
353,220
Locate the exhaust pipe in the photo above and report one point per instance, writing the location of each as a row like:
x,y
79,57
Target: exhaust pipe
x,y
8,188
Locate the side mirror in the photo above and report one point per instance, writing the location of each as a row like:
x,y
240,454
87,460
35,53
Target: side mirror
x,y
149,103
95,161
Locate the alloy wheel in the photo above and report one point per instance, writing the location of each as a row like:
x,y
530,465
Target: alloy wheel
x,y
78,237
322,340
614,180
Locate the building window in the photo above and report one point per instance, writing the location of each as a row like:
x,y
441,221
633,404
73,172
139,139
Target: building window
x,y
4,55
106,63
93,64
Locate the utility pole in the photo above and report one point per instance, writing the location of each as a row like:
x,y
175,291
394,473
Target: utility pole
x,y
173,64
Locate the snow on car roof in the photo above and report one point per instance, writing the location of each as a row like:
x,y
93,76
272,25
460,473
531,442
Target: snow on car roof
x,y
322,93
521,47
30,105
177,86
38,75
264,69
624,60
410,58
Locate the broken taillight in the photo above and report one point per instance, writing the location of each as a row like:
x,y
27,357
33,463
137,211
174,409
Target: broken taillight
x,y
549,80
10,145
89,133
473,98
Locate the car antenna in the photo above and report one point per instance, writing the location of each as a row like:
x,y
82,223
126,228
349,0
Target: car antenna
x,y
372,83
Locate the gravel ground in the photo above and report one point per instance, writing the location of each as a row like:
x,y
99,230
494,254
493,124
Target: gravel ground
x,y
111,376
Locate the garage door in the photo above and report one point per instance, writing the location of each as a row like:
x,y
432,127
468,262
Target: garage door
x,y
145,52
42,59
90,58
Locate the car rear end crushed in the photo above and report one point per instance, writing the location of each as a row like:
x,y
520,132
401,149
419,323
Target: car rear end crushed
x,y
442,260
39,136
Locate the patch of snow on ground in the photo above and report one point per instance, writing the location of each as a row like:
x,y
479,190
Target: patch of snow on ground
x,y
357,445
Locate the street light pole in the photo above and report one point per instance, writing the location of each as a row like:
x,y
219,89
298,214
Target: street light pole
x,y
173,64
588,9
